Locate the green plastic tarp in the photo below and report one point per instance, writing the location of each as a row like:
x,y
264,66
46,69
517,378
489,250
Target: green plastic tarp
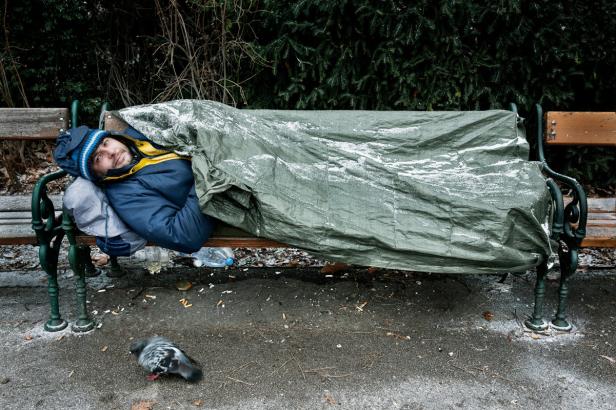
x,y
427,191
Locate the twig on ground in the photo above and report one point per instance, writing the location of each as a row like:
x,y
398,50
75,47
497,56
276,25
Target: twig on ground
x,y
239,381
301,371
278,368
463,369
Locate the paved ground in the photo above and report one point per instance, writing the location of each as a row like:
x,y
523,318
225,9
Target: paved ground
x,y
292,339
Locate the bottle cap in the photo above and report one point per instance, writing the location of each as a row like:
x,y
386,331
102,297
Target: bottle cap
x,y
229,261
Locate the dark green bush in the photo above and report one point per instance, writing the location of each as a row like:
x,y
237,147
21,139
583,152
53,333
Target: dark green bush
x,y
314,54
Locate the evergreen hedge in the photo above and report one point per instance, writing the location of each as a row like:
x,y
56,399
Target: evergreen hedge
x,y
311,54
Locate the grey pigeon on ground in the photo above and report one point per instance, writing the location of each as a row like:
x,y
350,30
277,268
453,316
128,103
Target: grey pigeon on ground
x,y
159,356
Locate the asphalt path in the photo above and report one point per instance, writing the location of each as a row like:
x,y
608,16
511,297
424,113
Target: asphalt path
x,y
287,338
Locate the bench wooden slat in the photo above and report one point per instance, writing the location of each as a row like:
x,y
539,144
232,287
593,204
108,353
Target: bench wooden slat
x,y
602,222
32,123
600,237
600,216
113,123
17,234
601,227
580,128
214,241
22,202
15,221
7,216
602,205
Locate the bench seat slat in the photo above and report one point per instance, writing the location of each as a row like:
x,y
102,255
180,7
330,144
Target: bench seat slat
x,y
12,203
602,205
600,237
17,234
601,217
13,215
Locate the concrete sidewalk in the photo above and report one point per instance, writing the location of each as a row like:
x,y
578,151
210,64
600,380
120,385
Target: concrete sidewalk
x,y
291,339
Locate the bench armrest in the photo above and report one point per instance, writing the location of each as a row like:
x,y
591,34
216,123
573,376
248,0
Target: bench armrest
x,y
44,222
575,214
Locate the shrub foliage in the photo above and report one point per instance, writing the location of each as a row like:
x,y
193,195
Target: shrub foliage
x,y
313,54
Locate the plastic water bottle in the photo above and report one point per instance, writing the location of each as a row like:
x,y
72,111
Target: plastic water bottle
x,y
153,258
151,254
213,257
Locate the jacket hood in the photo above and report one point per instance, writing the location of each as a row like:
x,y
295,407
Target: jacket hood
x,y
74,148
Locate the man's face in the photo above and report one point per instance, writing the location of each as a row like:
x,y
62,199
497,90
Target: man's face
x,y
110,154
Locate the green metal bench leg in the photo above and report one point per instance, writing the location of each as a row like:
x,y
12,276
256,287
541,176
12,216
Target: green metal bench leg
x,y
568,263
569,224
48,257
49,234
76,256
537,322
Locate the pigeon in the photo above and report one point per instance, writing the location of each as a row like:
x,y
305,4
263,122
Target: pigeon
x,y
159,356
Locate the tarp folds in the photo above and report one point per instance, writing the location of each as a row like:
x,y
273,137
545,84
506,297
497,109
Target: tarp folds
x,y
426,191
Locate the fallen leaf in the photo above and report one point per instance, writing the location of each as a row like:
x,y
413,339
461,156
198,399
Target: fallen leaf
x,y
28,337
610,359
334,267
487,315
197,403
104,349
183,285
220,302
372,269
329,399
535,336
60,337
143,405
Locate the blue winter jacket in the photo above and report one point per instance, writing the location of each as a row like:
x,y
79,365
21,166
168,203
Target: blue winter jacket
x,y
156,199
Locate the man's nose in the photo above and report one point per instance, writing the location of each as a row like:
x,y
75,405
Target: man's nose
x,y
109,153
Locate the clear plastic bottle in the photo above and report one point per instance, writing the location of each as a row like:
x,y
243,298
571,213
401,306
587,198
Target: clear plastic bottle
x,y
153,258
213,257
151,254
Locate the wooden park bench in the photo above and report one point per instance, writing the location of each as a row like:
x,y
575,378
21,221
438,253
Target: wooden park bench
x,y
49,225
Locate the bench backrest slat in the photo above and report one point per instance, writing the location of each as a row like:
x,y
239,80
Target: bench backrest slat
x,y
113,123
32,123
580,128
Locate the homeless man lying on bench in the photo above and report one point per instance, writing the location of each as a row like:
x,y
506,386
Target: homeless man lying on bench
x,y
448,191
152,190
